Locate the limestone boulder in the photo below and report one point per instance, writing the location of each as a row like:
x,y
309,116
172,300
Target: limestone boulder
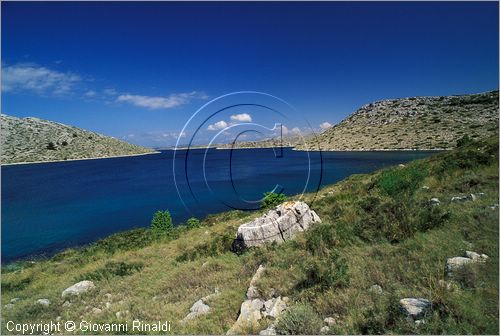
x,y
277,225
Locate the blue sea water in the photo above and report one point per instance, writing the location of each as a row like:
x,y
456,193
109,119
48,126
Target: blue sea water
x,y
50,206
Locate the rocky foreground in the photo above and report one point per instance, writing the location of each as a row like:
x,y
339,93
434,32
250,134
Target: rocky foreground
x,y
411,249
36,140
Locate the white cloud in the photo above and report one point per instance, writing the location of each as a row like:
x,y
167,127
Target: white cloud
x,y
284,130
243,117
38,79
325,125
154,103
90,93
217,126
295,131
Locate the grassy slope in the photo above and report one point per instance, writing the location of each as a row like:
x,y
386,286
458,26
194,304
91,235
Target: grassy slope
x,y
377,229
27,140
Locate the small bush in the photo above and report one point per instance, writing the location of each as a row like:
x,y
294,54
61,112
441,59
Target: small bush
x,y
465,140
51,146
395,182
325,272
219,245
162,222
112,269
193,222
299,319
272,199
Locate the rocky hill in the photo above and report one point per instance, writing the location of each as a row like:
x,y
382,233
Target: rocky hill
x,y
33,140
407,123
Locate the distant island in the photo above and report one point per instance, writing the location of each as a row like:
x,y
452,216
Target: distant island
x,y
414,123
25,140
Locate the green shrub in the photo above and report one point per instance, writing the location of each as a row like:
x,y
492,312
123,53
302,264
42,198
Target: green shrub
x,y
465,140
299,319
395,182
384,218
51,146
219,245
321,238
272,199
192,223
162,222
325,272
112,269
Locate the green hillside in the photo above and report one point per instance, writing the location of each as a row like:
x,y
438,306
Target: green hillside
x,y
382,229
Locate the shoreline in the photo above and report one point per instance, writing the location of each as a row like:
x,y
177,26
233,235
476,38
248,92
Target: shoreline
x,y
82,159
348,150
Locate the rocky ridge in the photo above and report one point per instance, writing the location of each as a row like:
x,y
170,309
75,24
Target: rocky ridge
x,y
414,123
37,140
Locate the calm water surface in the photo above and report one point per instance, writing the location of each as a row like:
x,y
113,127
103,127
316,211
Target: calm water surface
x,y
47,207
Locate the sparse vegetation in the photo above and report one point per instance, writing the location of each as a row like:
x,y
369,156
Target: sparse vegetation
x,y
272,199
373,232
32,139
404,123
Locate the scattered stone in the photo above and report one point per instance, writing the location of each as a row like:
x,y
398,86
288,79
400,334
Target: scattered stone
x,y
253,292
270,331
401,165
8,306
78,288
122,314
419,322
425,187
455,263
58,318
275,306
324,330
376,289
435,201
200,307
107,296
108,305
14,300
459,198
330,321
197,309
415,308
66,304
255,308
279,225
472,255
96,311
43,302
494,206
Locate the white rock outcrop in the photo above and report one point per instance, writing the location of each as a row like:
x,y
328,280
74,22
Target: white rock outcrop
x,y
254,308
78,288
277,225
43,302
200,307
456,263
415,308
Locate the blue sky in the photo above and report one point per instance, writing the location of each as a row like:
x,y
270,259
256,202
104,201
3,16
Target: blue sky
x,y
138,71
